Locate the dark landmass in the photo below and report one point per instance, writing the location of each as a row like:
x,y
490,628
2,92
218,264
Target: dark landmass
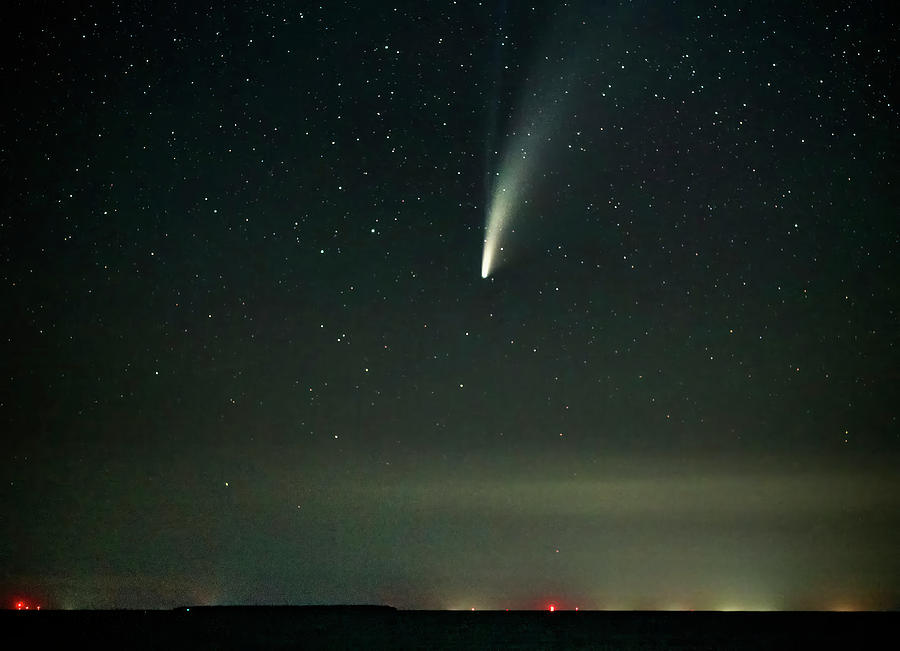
x,y
383,627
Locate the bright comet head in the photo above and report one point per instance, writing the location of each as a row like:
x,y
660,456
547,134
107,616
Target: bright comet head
x,y
498,215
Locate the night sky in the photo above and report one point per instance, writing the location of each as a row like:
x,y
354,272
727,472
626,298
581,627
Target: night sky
x,y
248,355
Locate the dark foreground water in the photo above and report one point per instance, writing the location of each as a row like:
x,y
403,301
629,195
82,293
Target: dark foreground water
x,y
385,628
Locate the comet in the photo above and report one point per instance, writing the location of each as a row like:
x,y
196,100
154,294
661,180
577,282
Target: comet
x,y
539,120
503,203
511,186
508,194
538,117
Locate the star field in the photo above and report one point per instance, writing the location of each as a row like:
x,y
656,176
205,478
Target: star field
x,y
249,357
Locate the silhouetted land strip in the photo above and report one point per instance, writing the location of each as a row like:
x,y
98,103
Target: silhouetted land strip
x,y
383,627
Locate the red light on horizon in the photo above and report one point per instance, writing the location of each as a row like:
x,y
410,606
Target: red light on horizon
x,y
552,608
26,605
